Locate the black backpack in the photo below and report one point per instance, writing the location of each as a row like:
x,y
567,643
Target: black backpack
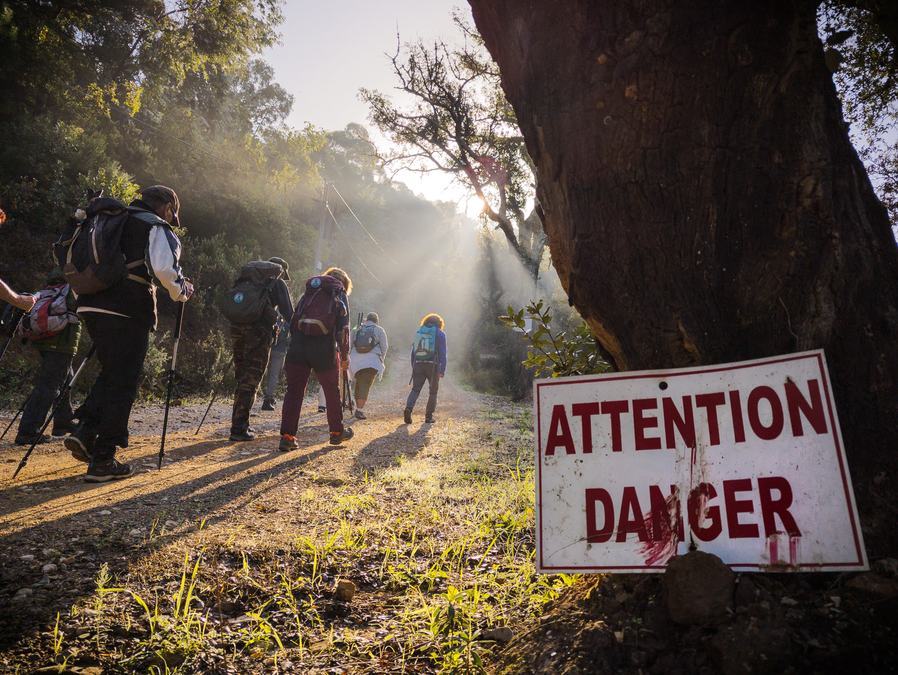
x,y
365,339
90,252
249,300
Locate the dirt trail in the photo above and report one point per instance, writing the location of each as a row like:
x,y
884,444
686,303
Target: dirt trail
x,y
212,493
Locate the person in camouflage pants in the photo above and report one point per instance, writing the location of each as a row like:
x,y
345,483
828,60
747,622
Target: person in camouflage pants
x,y
252,347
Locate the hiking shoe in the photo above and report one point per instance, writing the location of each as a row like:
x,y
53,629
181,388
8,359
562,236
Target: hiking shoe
x,y
80,444
429,419
106,470
407,415
37,439
322,408
268,404
63,429
246,435
359,415
338,437
288,443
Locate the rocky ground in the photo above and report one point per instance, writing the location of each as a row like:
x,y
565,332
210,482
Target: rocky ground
x,y
408,549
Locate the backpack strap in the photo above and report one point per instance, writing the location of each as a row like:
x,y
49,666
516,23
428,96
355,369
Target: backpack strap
x,y
152,220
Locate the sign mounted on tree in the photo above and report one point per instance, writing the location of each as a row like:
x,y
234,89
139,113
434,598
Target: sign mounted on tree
x,y
742,460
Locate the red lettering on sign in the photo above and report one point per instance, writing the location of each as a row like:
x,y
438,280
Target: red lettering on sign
x,y
585,411
559,432
698,509
665,513
594,535
738,422
641,423
778,507
767,433
811,410
710,402
684,423
631,516
615,409
735,506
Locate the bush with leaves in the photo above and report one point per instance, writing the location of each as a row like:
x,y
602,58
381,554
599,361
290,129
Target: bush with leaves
x,y
552,352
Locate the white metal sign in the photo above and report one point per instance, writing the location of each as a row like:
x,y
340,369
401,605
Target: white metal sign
x,y
742,460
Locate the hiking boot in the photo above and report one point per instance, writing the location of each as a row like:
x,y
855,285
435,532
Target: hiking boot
x,y
287,443
338,437
108,469
268,404
80,444
245,435
322,408
63,429
359,415
407,415
37,439
429,419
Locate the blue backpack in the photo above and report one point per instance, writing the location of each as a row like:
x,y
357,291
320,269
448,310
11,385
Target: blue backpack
x,y
425,345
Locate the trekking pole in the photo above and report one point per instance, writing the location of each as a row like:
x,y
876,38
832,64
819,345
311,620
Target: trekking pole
x,y
60,397
171,379
12,335
208,408
20,411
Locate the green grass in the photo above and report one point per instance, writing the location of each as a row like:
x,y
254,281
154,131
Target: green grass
x,y
440,546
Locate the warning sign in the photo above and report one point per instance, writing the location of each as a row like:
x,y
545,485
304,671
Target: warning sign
x,y
742,460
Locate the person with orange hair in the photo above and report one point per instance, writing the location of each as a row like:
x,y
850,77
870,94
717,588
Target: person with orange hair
x,y
428,365
319,343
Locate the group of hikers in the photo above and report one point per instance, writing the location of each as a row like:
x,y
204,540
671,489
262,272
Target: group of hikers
x,y
110,259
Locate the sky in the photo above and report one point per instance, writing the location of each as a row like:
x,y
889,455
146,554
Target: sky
x,y
330,50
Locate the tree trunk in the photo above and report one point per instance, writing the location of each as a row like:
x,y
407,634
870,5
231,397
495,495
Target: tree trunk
x,y
702,199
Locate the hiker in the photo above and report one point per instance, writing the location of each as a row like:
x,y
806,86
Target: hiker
x,y
366,361
120,316
21,300
259,295
319,342
428,365
276,363
53,330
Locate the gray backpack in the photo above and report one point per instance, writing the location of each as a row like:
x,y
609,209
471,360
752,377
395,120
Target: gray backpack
x,y
249,301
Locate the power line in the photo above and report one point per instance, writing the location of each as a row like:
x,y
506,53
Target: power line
x,y
370,236
351,247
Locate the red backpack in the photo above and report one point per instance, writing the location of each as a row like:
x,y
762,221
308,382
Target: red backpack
x,y
50,314
320,306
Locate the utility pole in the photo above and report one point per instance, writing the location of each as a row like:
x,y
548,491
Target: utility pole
x,y
322,229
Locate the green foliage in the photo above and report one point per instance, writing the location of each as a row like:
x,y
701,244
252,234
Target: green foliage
x,y
861,50
554,353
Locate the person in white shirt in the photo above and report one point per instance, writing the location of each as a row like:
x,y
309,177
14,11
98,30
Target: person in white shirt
x,y
367,359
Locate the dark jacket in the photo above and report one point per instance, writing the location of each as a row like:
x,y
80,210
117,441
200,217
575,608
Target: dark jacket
x,y
151,239
279,294
339,341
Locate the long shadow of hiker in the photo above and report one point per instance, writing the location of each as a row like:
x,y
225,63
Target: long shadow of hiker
x,y
386,451
75,535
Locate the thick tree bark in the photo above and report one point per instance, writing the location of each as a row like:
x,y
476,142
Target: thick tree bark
x,y
702,200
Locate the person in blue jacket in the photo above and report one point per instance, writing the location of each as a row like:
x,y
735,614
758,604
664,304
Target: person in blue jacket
x,y
428,365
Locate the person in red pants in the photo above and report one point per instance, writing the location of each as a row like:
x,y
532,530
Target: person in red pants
x,y
319,342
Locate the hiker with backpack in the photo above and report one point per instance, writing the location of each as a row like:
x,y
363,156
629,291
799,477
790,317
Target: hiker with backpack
x,y
110,258
319,342
428,365
53,329
259,295
366,361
